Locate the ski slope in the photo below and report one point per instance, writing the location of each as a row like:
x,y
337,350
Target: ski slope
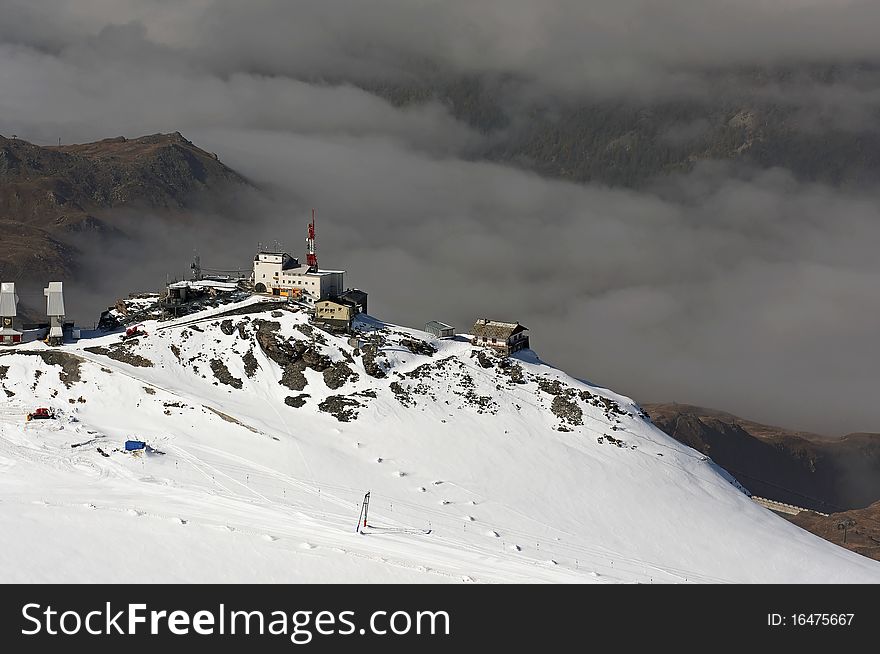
x,y
472,479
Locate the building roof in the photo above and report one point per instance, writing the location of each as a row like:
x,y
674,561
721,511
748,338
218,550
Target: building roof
x,y
339,301
8,299
436,324
496,329
55,299
205,283
291,264
354,294
287,261
304,271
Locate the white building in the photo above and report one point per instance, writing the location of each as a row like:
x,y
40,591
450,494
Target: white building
x,y
8,310
55,310
281,274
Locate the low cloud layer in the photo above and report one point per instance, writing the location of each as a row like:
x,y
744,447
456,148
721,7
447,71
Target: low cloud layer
x,y
738,289
735,289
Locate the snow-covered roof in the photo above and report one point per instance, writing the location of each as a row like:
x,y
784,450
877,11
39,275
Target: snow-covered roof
x,y
205,283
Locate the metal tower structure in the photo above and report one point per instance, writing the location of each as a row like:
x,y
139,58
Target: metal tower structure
x,y
311,254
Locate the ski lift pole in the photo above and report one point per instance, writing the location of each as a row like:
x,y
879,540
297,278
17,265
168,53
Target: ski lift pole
x,y
365,506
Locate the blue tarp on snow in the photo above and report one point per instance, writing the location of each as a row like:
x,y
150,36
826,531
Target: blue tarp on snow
x,y
134,445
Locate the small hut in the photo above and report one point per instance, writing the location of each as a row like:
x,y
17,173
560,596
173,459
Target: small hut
x,y
440,329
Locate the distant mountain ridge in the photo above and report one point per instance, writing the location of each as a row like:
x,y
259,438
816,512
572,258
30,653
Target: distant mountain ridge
x,y
48,192
746,116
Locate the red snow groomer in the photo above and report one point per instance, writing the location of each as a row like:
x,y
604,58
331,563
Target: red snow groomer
x,y
133,332
41,414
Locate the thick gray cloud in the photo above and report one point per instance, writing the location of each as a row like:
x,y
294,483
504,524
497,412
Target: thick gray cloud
x,y
744,290
633,47
120,83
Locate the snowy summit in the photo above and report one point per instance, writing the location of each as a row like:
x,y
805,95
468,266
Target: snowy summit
x,y
237,444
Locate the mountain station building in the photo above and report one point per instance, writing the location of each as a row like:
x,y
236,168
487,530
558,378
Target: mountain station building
x,y
279,273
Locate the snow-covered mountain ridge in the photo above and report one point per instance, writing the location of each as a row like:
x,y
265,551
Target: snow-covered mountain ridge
x,y
265,433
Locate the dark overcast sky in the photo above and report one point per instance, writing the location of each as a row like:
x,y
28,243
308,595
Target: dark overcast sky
x,y
739,289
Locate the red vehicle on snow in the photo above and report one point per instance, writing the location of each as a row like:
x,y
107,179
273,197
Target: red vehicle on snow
x,y
133,332
41,414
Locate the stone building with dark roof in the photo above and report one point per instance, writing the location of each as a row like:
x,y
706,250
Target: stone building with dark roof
x,y
506,337
357,298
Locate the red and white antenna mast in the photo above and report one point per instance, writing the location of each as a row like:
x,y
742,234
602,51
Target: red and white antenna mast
x,y
311,255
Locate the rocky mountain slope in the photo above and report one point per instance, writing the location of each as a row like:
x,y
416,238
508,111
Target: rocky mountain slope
x,y
861,527
47,193
808,470
264,433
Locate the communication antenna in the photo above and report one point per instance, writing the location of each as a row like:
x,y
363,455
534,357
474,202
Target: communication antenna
x,y
196,267
312,256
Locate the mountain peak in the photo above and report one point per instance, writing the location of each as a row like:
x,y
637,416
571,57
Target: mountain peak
x,y
77,187
265,432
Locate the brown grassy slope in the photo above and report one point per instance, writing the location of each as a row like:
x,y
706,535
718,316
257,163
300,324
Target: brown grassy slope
x,y
808,470
862,533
